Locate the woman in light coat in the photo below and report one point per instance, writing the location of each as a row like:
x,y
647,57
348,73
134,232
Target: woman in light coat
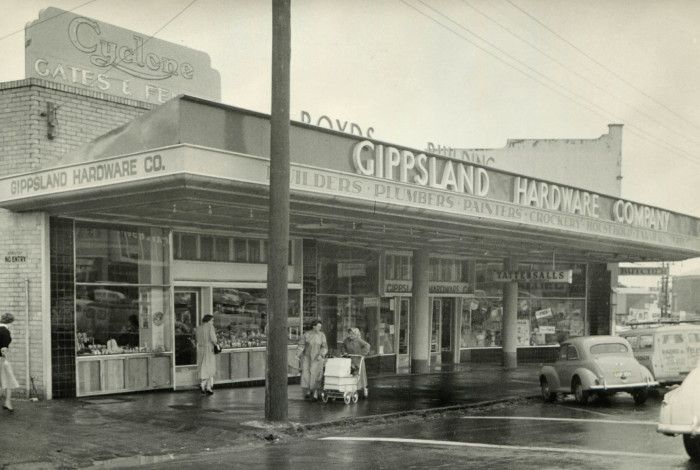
x,y
7,377
354,344
311,351
206,360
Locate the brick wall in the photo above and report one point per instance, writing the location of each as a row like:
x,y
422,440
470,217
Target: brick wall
x,y
81,116
22,258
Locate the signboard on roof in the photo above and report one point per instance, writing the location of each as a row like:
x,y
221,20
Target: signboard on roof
x,y
74,50
644,271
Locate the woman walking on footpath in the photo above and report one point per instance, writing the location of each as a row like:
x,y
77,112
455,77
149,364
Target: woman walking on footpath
x,y
206,360
7,377
311,351
354,344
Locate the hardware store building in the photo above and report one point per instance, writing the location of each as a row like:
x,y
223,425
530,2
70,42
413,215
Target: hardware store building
x,y
124,221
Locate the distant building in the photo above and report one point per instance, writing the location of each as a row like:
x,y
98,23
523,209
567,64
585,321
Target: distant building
x,y
593,164
686,295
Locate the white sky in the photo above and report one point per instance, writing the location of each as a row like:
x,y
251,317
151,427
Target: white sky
x,y
381,63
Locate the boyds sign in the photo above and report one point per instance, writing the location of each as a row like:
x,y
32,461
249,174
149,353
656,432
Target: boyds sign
x,y
82,52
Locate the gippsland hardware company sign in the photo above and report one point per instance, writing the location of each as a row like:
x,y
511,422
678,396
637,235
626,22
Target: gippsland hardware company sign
x,y
483,195
78,51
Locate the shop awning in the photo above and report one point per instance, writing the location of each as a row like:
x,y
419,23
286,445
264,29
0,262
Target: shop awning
x,y
196,164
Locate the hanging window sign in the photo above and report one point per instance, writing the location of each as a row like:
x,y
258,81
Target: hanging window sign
x,y
544,313
404,287
561,276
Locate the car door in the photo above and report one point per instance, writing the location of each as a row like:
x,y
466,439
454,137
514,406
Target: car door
x,y
570,365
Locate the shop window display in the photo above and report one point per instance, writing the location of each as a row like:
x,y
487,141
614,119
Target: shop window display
x,y
340,313
122,319
240,317
548,313
122,301
481,322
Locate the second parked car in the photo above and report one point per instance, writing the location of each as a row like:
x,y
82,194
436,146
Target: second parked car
x,y
602,365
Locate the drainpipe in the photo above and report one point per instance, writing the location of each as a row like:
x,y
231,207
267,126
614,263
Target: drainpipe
x,y
26,311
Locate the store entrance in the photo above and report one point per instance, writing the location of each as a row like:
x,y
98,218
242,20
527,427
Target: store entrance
x,y
442,316
187,309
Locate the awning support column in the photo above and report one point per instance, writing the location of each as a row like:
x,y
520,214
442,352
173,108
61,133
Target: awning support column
x,y
509,332
420,313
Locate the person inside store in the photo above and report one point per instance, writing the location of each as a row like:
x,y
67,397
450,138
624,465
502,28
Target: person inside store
x,y
355,346
206,358
311,351
7,377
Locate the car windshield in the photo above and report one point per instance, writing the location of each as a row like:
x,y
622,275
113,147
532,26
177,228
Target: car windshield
x,y
609,348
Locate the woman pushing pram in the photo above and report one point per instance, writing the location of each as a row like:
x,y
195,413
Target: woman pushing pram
x,y
354,346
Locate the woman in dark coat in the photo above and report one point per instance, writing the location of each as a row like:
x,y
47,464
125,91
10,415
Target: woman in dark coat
x,y
7,377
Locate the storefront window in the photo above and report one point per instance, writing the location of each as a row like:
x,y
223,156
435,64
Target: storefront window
x,y
347,270
240,317
485,285
548,313
338,313
398,267
121,286
481,322
132,255
555,320
122,319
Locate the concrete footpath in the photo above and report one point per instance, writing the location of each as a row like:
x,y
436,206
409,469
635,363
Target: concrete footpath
x,y
125,430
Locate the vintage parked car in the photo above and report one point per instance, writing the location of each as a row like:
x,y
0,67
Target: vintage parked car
x,y
603,365
680,413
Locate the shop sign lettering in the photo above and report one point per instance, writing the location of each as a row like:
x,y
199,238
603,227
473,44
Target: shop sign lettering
x,y
640,216
644,271
542,195
337,125
562,276
478,157
387,162
433,288
125,168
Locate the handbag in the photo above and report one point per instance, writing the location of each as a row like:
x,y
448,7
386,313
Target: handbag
x,y
217,349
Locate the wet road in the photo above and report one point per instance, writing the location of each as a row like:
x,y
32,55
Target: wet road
x,y
602,435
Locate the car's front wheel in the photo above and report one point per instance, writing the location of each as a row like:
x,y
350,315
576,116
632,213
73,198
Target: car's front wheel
x,y
692,446
547,394
640,396
580,393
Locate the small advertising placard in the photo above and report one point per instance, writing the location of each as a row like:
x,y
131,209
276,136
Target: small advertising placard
x,y
544,313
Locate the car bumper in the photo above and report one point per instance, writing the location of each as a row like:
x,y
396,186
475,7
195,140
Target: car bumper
x,y
673,429
621,387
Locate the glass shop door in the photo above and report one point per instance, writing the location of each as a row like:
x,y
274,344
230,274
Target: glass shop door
x,y
187,310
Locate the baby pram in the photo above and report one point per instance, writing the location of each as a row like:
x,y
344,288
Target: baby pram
x,y
339,381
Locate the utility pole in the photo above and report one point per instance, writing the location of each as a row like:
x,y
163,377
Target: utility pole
x,y
276,373
664,291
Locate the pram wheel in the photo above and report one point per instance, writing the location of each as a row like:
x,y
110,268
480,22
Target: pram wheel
x,y
324,397
347,397
355,397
